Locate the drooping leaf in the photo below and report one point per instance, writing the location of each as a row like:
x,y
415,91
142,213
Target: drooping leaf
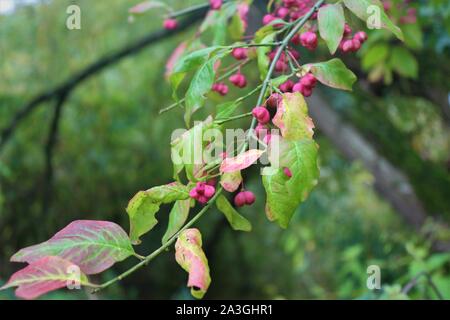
x,y
45,275
187,149
237,221
241,161
370,10
331,22
230,181
145,204
285,194
190,256
177,217
200,85
292,117
92,245
333,73
264,35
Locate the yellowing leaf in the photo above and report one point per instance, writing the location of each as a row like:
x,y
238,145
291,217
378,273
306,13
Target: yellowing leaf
x,y
241,161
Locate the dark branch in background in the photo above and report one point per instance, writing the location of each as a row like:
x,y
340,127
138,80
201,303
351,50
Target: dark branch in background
x,y
66,87
390,182
410,285
49,147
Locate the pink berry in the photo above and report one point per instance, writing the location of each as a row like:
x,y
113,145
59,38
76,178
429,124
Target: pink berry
x,y
260,130
298,87
287,172
296,39
361,36
356,45
309,40
239,53
170,24
347,30
347,46
193,193
239,199
282,12
268,18
280,66
308,80
267,138
274,100
202,199
261,114
238,80
209,191
286,86
249,197
215,4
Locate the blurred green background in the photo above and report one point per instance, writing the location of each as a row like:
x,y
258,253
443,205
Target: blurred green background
x,y
113,143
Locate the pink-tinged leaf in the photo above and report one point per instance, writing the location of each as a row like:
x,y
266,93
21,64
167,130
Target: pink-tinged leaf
x,y
93,245
240,162
174,57
145,6
45,275
190,256
292,118
230,181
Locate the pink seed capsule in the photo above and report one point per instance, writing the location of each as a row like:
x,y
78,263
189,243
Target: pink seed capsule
x,y
215,4
170,24
239,199
249,197
287,172
239,53
193,193
209,191
261,114
361,36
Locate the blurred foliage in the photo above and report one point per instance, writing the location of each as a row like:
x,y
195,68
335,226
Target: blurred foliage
x,y
113,143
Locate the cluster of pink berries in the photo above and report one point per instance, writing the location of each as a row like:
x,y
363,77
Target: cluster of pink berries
x,y
244,198
202,192
352,44
221,88
238,79
411,13
307,39
289,10
282,63
305,85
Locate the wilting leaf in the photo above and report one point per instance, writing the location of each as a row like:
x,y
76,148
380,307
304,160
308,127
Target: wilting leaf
x,y
285,194
367,10
333,73
92,245
237,222
230,181
331,22
143,206
45,275
241,161
190,256
177,217
292,117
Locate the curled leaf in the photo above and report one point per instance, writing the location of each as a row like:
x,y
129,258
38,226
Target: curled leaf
x,y
241,161
92,245
45,275
190,256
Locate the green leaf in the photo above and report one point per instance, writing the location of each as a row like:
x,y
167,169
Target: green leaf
x,y
188,63
190,256
374,55
201,84
413,35
404,63
261,53
145,204
285,194
187,150
226,110
237,222
177,217
333,73
331,22
292,117
363,10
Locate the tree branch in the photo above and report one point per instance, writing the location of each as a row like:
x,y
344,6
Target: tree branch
x,y
96,67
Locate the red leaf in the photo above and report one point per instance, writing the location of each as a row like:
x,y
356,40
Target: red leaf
x,y
242,161
45,275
